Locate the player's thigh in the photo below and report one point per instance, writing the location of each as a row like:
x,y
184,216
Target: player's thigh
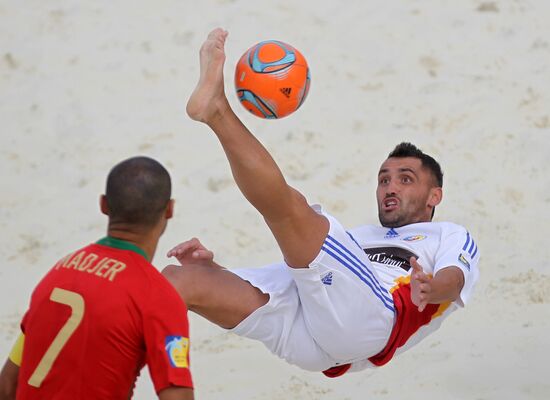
x,y
346,305
215,293
300,232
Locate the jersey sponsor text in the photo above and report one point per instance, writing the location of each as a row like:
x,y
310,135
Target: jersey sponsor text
x,y
390,256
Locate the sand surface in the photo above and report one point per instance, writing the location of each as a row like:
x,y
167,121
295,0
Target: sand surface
x,y
86,84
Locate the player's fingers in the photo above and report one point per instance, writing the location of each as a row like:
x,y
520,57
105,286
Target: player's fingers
x,y
175,251
423,278
420,276
425,288
422,301
203,254
184,247
415,265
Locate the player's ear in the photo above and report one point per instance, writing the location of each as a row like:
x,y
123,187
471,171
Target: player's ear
x,y
169,213
103,204
435,197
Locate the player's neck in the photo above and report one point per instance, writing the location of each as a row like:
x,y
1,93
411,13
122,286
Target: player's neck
x,y
145,240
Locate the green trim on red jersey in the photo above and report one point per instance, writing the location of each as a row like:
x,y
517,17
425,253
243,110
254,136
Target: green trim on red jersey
x,y
121,244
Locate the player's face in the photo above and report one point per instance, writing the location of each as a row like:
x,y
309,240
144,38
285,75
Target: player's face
x,y
406,192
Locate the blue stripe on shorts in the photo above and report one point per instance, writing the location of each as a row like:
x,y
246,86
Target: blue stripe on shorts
x,y
349,260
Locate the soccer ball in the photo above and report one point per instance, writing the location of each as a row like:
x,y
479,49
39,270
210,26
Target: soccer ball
x,y
272,79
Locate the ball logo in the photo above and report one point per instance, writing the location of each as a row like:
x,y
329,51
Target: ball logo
x,y
177,348
286,91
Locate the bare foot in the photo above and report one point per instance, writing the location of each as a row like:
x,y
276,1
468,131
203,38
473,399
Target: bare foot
x,y
208,101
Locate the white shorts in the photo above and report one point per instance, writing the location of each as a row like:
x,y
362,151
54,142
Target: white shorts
x,y
332,313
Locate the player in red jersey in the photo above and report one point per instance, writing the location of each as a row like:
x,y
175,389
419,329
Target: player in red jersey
x,y
103,311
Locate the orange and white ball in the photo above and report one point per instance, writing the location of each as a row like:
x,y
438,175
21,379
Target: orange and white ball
x,y
272,79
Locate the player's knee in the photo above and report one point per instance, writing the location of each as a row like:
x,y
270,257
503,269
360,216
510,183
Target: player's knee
x,y
177,276
191,282
172,273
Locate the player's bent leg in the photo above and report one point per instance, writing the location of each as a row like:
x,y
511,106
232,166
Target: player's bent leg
x,y
215,293
301,233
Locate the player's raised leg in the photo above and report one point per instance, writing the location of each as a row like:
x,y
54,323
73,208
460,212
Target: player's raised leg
x,y
298,229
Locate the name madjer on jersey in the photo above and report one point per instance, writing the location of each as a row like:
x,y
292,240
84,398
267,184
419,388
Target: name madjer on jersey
x,y
84,261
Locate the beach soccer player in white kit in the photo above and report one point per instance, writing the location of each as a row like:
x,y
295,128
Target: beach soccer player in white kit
x,y
342,300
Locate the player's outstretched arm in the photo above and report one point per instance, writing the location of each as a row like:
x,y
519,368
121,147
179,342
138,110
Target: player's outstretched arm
x,y
8,380
298,229
444,287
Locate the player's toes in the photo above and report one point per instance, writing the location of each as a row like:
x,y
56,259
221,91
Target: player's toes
x,y
217,34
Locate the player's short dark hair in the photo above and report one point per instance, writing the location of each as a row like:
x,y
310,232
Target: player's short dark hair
x,y
138,191
406,149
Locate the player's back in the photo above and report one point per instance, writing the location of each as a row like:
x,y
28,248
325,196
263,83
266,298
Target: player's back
x,y
84,331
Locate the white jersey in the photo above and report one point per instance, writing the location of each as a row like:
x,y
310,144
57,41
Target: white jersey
x,y
436,245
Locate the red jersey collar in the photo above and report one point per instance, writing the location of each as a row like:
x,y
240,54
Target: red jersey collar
x,y
121,244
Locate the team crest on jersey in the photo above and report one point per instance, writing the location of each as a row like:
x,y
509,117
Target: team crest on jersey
x,y
464,262
392,233
177,348
414,238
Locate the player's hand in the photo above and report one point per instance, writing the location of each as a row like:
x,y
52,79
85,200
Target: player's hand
x,y
191,252
420,285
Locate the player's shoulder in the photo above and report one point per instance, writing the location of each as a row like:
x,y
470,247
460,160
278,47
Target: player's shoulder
x,y
422,233
447,227
155,277
74,252
149,274
447,224
458,235
156,280
151,291
162,294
